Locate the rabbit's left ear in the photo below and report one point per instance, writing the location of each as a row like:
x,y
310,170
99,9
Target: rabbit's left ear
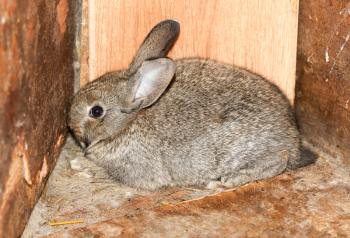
x,y
150,81
156,44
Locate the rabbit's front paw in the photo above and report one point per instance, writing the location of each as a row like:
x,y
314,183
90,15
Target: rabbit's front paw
x,y
212,185
80,164
76,164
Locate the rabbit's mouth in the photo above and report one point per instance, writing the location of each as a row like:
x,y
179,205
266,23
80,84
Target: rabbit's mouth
x,y
90,151
86,143
89,146
83,142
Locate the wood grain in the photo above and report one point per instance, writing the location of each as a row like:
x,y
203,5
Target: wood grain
x,y
84,44
323,78
258,35
36,71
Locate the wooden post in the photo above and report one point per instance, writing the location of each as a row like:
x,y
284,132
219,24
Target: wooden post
x,y
323,79
36,83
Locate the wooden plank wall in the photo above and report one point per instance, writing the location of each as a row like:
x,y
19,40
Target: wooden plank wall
x,y
36,84
323,78
260,35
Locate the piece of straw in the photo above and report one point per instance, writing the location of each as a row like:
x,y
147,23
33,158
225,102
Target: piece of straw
x,y
52,223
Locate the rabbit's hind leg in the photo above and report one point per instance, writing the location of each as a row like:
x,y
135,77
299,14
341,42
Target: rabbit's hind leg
x,y
260,169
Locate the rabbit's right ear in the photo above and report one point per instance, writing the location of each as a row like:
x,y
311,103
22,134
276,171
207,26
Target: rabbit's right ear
x,y
156,44
149,82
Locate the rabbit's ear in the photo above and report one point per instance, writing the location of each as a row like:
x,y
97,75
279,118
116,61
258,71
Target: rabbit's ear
x,y
149,82
156,44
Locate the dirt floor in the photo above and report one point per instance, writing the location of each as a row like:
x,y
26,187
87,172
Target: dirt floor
x,y
311,202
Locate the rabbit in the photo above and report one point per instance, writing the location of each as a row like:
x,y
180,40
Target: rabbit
x,y
186,122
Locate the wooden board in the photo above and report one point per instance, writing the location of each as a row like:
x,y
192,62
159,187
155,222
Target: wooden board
x,y
257,35
36,59
323,79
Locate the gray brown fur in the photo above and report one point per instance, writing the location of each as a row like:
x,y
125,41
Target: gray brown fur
x,y
214,122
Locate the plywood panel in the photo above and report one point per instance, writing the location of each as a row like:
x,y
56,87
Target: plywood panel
x,y
259,35
84,45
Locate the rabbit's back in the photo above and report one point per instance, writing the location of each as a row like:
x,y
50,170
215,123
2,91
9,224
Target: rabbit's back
x,y
205,96
214,118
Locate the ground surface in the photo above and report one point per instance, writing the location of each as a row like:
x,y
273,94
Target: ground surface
x,y
311,202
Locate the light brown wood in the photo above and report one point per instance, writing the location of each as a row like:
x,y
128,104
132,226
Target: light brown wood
x,y
84,44
259,35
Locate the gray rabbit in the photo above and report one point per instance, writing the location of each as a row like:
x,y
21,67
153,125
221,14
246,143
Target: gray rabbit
x,y
188,122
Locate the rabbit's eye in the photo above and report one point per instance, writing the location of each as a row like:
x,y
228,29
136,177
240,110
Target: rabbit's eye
x,y
96,112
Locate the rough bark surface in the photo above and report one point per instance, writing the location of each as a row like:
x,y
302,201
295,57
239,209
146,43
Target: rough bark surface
x,y
36,82
323,77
